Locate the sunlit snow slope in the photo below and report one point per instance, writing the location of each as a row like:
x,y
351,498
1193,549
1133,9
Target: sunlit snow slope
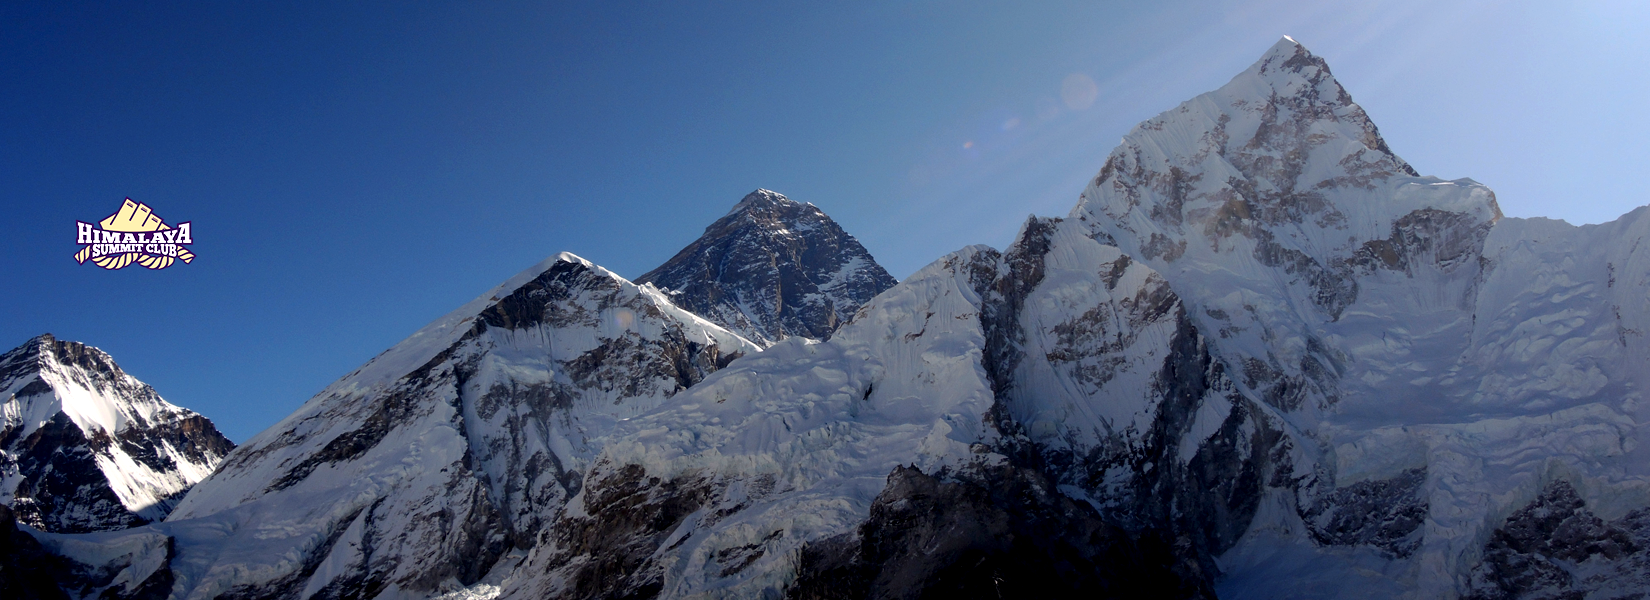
x,y
427,466
86,447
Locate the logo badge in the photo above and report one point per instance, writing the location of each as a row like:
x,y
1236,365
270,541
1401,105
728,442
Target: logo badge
x,y
132,235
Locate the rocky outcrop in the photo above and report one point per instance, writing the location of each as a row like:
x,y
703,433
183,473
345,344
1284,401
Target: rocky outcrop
x,y
1555,548
773,268
86,447
27,570
1381,513
996,532
613,550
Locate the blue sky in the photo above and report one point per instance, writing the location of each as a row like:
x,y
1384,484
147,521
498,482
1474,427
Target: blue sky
x,y
355,171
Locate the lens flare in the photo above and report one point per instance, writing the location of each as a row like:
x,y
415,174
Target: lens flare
x,y
1078,91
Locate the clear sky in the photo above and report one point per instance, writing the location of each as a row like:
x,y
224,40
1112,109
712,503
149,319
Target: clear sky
x,y
353,172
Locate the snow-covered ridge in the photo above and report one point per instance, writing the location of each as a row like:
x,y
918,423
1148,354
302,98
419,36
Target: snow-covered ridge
x,y
422,470
431,339
84,446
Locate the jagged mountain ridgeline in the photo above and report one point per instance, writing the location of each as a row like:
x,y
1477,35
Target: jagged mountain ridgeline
x,y
86,447
1262,357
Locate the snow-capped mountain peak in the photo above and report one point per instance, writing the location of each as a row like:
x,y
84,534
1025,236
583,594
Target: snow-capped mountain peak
x,y
79,372
1277,185
761,199
1435,364
84,446
1298,78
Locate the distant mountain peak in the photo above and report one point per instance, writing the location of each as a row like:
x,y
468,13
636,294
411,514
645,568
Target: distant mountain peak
x,y
773,268
85,447
45,354
1280,155
1286,48
1288,61
1290,77
769,210
760,199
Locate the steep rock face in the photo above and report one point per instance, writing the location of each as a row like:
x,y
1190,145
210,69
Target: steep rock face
x,y
1274,206
773,268
419,471
1556,548
1377,513
86,447
1001,532
1104,381
27,569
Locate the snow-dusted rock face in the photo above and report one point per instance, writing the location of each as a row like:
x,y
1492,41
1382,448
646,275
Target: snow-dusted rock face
x,y
773,268
1104,381
86,447
1443,364
1275,207
419,471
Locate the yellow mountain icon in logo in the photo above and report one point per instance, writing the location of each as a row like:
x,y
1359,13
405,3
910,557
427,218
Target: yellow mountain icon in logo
x,y
133,234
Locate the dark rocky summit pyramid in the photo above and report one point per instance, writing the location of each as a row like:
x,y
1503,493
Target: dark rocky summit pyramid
x,y
773,268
